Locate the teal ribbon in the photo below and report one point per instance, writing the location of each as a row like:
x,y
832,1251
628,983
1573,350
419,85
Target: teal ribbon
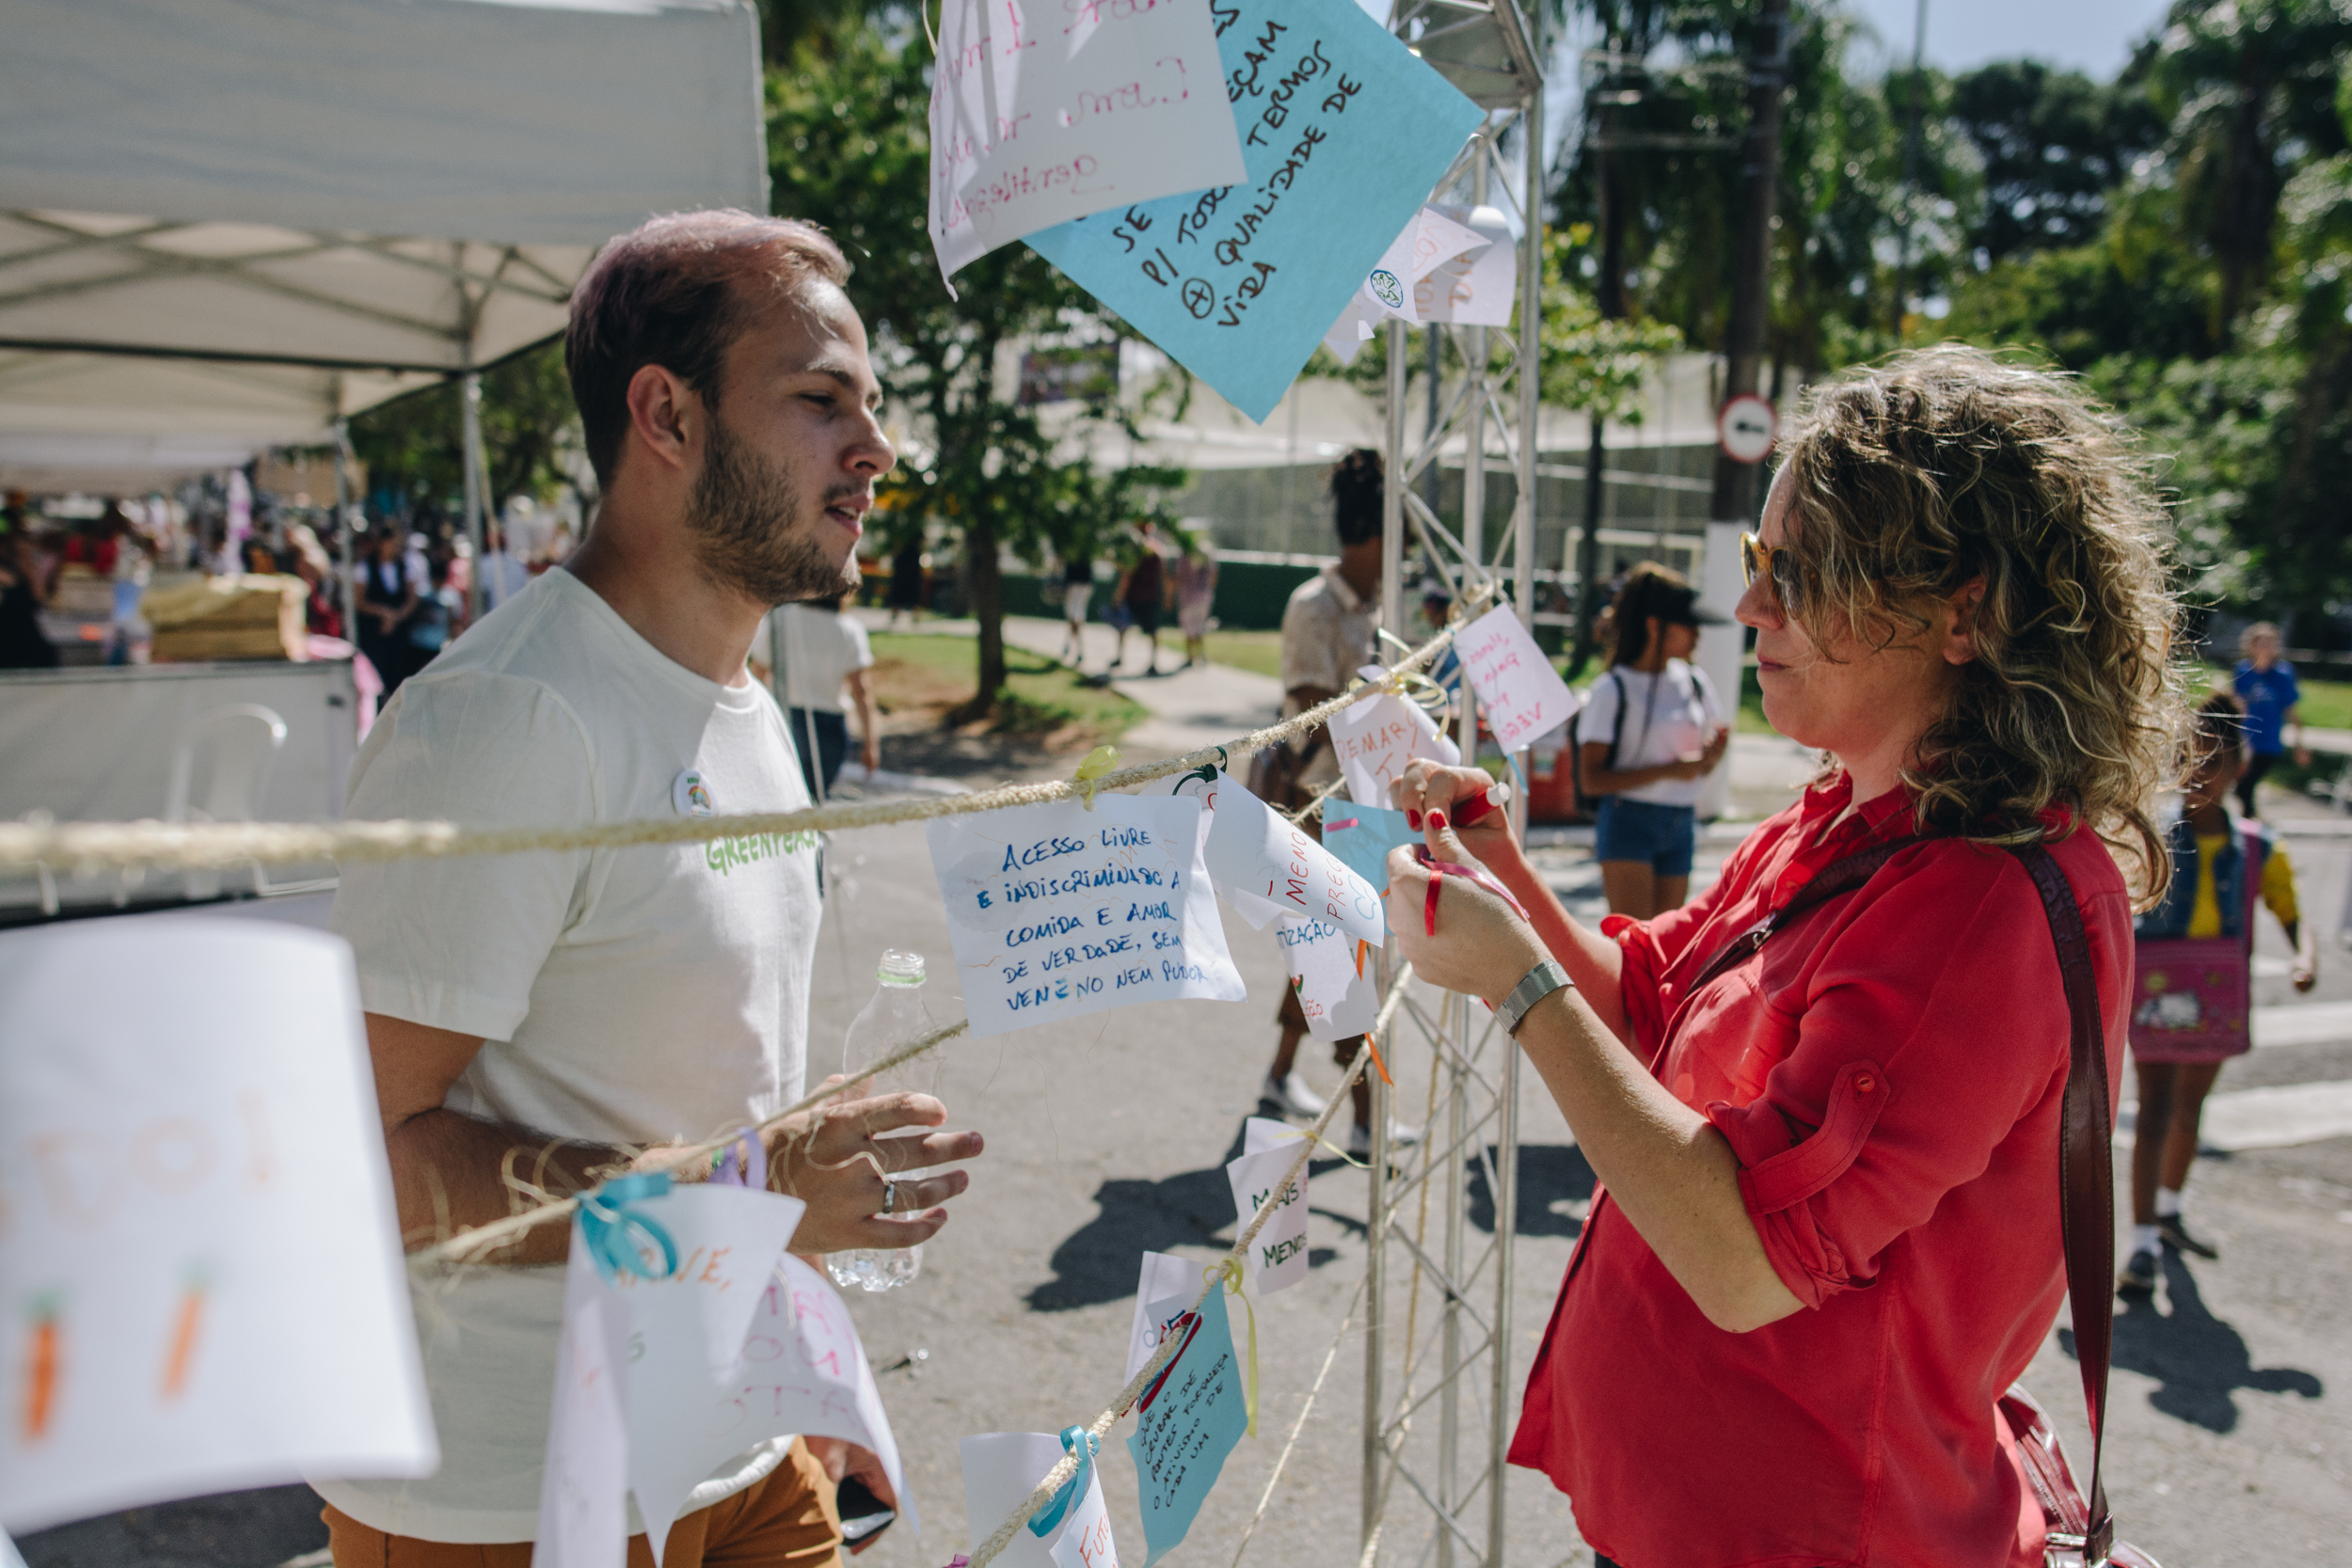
x,y
614,1233
1049,1519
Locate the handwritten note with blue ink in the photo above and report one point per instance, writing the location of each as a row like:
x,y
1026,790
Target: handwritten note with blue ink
x,y
1361,837
1056,910
1344,132
1187,1422
1258,857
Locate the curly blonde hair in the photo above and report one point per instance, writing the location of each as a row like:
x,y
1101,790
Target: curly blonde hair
x,y
1913,477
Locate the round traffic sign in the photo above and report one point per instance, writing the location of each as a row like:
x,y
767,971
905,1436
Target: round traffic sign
x,y
1746,428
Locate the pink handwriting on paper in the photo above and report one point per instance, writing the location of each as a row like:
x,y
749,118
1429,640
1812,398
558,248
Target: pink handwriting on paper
x,y
1523,695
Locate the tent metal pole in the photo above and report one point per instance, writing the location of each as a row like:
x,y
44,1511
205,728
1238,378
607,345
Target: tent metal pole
x,y
342,531
471,403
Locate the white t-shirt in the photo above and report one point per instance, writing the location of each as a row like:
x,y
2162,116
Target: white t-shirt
x,y
1668,715
821,649
638,996
503,576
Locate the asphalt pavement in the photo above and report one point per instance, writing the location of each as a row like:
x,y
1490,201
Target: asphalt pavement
x,y
2231,1432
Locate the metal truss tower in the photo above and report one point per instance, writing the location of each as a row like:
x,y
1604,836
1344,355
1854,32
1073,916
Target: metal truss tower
x,y
1437,1352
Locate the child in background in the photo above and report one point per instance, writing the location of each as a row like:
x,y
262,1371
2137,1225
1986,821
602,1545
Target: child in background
x,y
2193,985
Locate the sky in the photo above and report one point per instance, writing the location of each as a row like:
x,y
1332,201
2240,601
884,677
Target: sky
x,y
2092,36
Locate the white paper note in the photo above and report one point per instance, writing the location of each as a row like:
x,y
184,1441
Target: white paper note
x,y
1001,1469
1056,910
1277,1257
1042,114
1477,288
1523,695
204,1282
1163,1275
583,1519
1376,737
1426,243
1332,971
686,1335
1252,849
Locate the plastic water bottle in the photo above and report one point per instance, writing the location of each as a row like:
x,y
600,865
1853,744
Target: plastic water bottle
x,y
894,1018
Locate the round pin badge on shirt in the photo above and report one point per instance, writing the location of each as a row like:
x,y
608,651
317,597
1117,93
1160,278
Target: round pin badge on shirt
x,y
690,796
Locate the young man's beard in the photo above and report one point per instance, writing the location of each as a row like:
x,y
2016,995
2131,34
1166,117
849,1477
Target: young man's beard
x,y
742,514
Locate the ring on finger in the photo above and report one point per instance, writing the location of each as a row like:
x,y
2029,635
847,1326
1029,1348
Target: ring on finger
x,y
890,1194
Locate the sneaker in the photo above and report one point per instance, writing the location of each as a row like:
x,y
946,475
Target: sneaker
x,y
2176,1236
2138,1277
1359,1138
1293,1094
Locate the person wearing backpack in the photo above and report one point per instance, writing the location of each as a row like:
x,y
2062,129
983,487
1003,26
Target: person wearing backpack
x,y
1650,732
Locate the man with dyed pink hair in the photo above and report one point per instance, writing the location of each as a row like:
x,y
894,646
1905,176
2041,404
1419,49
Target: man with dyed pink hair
x,y
565,1014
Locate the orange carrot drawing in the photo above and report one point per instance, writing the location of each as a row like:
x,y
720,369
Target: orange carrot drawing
x,y
42,1369
183,1330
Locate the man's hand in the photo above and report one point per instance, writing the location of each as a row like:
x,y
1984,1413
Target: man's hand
x,y
842,1458
837,1160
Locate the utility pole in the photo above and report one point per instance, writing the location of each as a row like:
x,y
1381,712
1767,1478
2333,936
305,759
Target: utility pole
x,y
1735,499
1609,299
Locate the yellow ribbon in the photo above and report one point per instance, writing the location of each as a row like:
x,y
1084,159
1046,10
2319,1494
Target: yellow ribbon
x,y
1102,760
1229,1270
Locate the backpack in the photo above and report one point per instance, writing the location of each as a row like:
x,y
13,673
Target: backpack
x,y
1588,805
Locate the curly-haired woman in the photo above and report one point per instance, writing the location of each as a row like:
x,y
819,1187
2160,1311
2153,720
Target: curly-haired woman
x,y
1829,1236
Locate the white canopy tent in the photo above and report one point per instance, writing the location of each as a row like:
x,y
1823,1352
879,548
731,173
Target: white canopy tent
x,y
243,220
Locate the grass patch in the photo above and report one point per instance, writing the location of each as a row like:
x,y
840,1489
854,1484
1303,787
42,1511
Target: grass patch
x,y
928,679
1258,651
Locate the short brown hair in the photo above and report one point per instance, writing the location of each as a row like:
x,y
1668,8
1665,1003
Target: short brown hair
x,y
1910,480
670,292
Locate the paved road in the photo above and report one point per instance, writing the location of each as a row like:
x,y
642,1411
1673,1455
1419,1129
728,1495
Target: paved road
x,y
2231,1438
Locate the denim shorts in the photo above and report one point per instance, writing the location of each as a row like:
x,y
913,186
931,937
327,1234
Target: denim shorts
x,y
1665,836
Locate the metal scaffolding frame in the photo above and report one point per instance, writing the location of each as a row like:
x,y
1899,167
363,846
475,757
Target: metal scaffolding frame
x,y
1457,1355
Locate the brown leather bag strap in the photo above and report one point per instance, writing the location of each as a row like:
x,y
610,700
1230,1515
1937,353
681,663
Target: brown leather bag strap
x,y
2086,1171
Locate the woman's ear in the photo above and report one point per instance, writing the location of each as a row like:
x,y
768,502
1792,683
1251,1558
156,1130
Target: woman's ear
x,y
1959,636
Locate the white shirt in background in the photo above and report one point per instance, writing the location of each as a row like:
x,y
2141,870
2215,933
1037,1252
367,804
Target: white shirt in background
x,y
1668,715
639,995
503,575
822,648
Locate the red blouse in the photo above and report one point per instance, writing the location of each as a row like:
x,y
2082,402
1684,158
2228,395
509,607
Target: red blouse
x,y
1888,1071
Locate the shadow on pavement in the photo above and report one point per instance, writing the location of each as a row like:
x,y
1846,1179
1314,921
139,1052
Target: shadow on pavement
x,y
2196,1359
1101,1259
1556,1185
235,1530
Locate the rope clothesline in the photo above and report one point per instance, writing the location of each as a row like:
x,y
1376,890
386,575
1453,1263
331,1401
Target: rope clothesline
x,y
94,847
1068,1465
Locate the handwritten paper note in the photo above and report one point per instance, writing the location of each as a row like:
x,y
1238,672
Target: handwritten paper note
x,y
1056,910
1165,1274
1474,288
1001,1469
1344,131
1277,1258
1523,695
1429,241
1042,114
583,1484
1364,835
1253,852
1332,971
1376,737
204,1287
1187,1422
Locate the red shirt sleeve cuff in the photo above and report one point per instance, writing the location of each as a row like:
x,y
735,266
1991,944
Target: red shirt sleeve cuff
x,y
1780,1174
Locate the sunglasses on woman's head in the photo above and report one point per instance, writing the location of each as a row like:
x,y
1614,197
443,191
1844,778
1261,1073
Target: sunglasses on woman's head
x,y
1779,563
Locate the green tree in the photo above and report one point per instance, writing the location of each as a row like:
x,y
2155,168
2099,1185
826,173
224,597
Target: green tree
x,y
415,444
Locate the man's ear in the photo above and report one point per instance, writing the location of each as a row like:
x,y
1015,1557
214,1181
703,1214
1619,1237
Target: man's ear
x,y
1959,643
664,416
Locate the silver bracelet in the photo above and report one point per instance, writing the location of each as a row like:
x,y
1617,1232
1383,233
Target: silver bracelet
x,y
1541,981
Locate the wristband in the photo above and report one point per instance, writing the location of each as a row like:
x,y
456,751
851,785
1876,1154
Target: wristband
x,y
1540,982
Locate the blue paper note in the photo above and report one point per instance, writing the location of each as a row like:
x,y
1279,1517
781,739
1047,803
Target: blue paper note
x,y
1344,131
1187,1422
1361,837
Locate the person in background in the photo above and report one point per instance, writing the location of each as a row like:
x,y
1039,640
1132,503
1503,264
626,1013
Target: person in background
x,y
25,583
320,612
1650,732
1194,572
503,574
2194,985
906,579
1142,593
2266,685
826,655
392,586
1077,589
1331,628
